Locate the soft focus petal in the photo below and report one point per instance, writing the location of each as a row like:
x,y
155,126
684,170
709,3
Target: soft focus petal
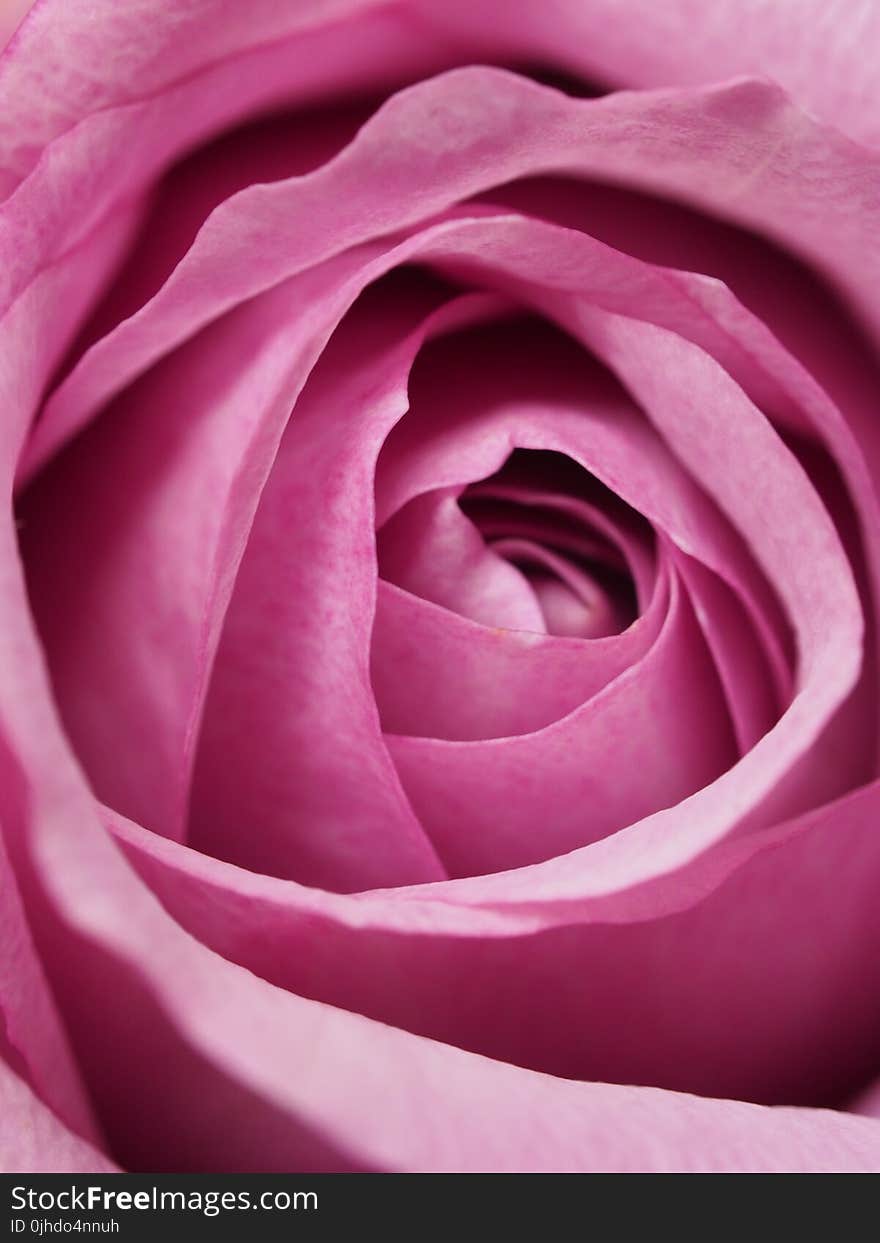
x,y
33,1141
868,1103
99,929
369,1089
746,975
814,48
704,147
726,807
152,79
11,14
191,1029
30,1025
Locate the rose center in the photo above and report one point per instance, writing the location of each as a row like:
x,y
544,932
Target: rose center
x,y
539,545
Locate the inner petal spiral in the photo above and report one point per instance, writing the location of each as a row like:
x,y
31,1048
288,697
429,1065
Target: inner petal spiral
x,y
522,549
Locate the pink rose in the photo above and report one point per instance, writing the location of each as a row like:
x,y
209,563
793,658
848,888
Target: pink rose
x,y
438,620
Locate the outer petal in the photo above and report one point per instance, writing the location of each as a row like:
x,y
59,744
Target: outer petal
x,y
435,144
293,1084
79,81
748,977
817,49
132,632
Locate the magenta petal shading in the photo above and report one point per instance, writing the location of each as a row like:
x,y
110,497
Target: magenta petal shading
x,y
713,428
561,272
722,815
525,386
605,530
147,84
217,1025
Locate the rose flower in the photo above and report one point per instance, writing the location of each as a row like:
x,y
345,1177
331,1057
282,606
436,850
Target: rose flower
x,y
438,586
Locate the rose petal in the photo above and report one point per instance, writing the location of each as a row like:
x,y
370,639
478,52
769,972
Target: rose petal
x,y
572,602
190,1027
507,802
741,661
703,146
814,48
266,150
576,521
33,1141
698,532
313,793
91,901
715,980
794,351
12,13
171,75
131,633
431,549
527,386
30,1025
714,429
467,681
